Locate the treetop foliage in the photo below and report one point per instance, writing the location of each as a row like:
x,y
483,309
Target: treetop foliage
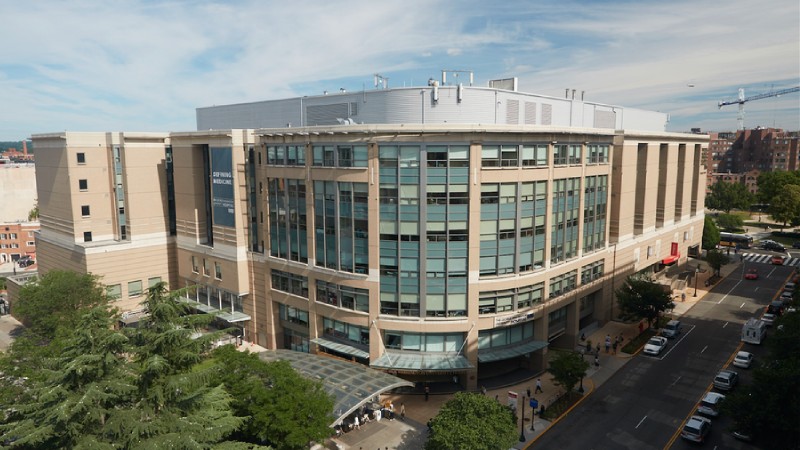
x,y
472,421
642,298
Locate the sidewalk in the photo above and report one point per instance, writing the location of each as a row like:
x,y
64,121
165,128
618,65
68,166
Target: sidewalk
x,y
413,432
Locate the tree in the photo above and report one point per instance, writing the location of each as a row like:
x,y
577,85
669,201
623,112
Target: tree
x,y
281,407
771,184
716,260
472,422
786,206
710,234
726,196
33,214
642,298
730,222
761,409
567,369
57,300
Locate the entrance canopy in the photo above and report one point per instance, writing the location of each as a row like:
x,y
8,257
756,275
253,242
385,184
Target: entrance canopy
x,y
511,351
350,384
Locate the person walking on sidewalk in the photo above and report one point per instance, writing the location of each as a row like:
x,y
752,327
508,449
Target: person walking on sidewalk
x,y
538,386
597,362
427,392
402,411
614,347
608,342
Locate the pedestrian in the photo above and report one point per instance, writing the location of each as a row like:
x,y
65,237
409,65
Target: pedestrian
x,y
538,386
614,347
402,411
391,411
597,350
683,296
583,337
596,361
608,342
427,392
528,391
356,423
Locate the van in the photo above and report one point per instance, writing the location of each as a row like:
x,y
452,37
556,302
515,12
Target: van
x,y
754,331
671,329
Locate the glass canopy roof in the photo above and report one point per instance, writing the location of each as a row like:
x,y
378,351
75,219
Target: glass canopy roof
x,y
350,384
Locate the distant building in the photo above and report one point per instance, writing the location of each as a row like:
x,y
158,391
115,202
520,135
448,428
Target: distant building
x,y
17,191
434,232
17,239
741,156
12,155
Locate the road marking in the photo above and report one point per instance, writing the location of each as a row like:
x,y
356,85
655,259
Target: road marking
x,y
640,422
755,290
728,293
742,305
704,349
674,382
671,347
725,325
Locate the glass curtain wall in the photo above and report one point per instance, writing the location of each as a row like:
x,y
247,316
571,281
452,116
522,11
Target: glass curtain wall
x,y
564,229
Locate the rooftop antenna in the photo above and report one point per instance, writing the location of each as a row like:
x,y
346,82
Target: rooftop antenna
x,y
381,81
455,74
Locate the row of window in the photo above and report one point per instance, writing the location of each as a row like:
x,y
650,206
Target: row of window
x,y
16,245
206,271
135,288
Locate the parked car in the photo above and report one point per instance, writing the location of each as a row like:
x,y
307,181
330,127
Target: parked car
x,y
769,318
796,244
726,380
743,360
672,329
752,274
742,435
696,429
655,345
790,287
775,307
709,405
777,260
786,296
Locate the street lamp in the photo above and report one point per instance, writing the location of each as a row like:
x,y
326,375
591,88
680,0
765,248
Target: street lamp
x,y
696,275
522,422
580,388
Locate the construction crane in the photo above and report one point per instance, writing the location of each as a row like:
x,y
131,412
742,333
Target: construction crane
x,y
742,100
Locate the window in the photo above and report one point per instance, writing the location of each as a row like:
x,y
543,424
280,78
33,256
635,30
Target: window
x,y
290,283
31,243
195,268
87,236
294,315
85,211
534,155
153,281
83,185
13,236
217,270
134,288
560,152
114,291
81,158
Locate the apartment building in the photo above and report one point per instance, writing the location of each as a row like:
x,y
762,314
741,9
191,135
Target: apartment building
x,y
431,232
17,239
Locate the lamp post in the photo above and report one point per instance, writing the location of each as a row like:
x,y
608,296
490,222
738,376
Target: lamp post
x,y
580,388
696,275
522,422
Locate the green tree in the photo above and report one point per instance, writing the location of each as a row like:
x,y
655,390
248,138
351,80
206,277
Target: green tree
x,y
730,222
761,409
33,214
710,234
472,422
642,298
281,407
785,207
771,184
567,369
724,196
57,300
716,260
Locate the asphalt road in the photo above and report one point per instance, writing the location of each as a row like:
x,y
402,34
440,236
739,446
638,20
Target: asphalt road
x,y
644,405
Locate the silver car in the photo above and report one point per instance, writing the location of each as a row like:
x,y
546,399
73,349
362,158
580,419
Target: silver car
x,y
709,405
743,360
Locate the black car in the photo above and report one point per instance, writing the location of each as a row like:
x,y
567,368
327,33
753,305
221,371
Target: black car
x,y
796,244
774,246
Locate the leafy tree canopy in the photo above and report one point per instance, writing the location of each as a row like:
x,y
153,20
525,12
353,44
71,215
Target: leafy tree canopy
x,y
716,260
724,196
57,300
567,369
472,422
710,234
771,184
730,222
281,408
785,207
642,298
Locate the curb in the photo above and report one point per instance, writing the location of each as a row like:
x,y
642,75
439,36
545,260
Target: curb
x,y
564,414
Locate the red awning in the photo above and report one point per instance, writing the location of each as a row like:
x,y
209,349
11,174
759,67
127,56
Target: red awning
x,y
671,259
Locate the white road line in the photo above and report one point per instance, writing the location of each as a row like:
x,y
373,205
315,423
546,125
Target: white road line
x,y
640,422
725,325
728,293
675,382
742,305
704,349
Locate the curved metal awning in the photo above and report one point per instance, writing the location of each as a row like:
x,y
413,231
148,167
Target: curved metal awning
x,y
447,362
511,351
341,347
350,384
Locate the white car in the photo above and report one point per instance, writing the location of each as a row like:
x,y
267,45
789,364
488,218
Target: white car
x,y
769,318
655,345
709,405
743,360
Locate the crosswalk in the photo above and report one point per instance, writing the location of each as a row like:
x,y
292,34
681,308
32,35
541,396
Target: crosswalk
x,y
766,259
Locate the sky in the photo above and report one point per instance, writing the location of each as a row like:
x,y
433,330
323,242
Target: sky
x,y
145,65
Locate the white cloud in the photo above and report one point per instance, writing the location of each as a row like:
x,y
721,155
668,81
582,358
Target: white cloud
x,y
143,65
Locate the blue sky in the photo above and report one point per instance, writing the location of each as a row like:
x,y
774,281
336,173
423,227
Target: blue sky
x,y
142,65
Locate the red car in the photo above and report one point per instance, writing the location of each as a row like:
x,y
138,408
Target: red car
x,y
777,260
751,274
